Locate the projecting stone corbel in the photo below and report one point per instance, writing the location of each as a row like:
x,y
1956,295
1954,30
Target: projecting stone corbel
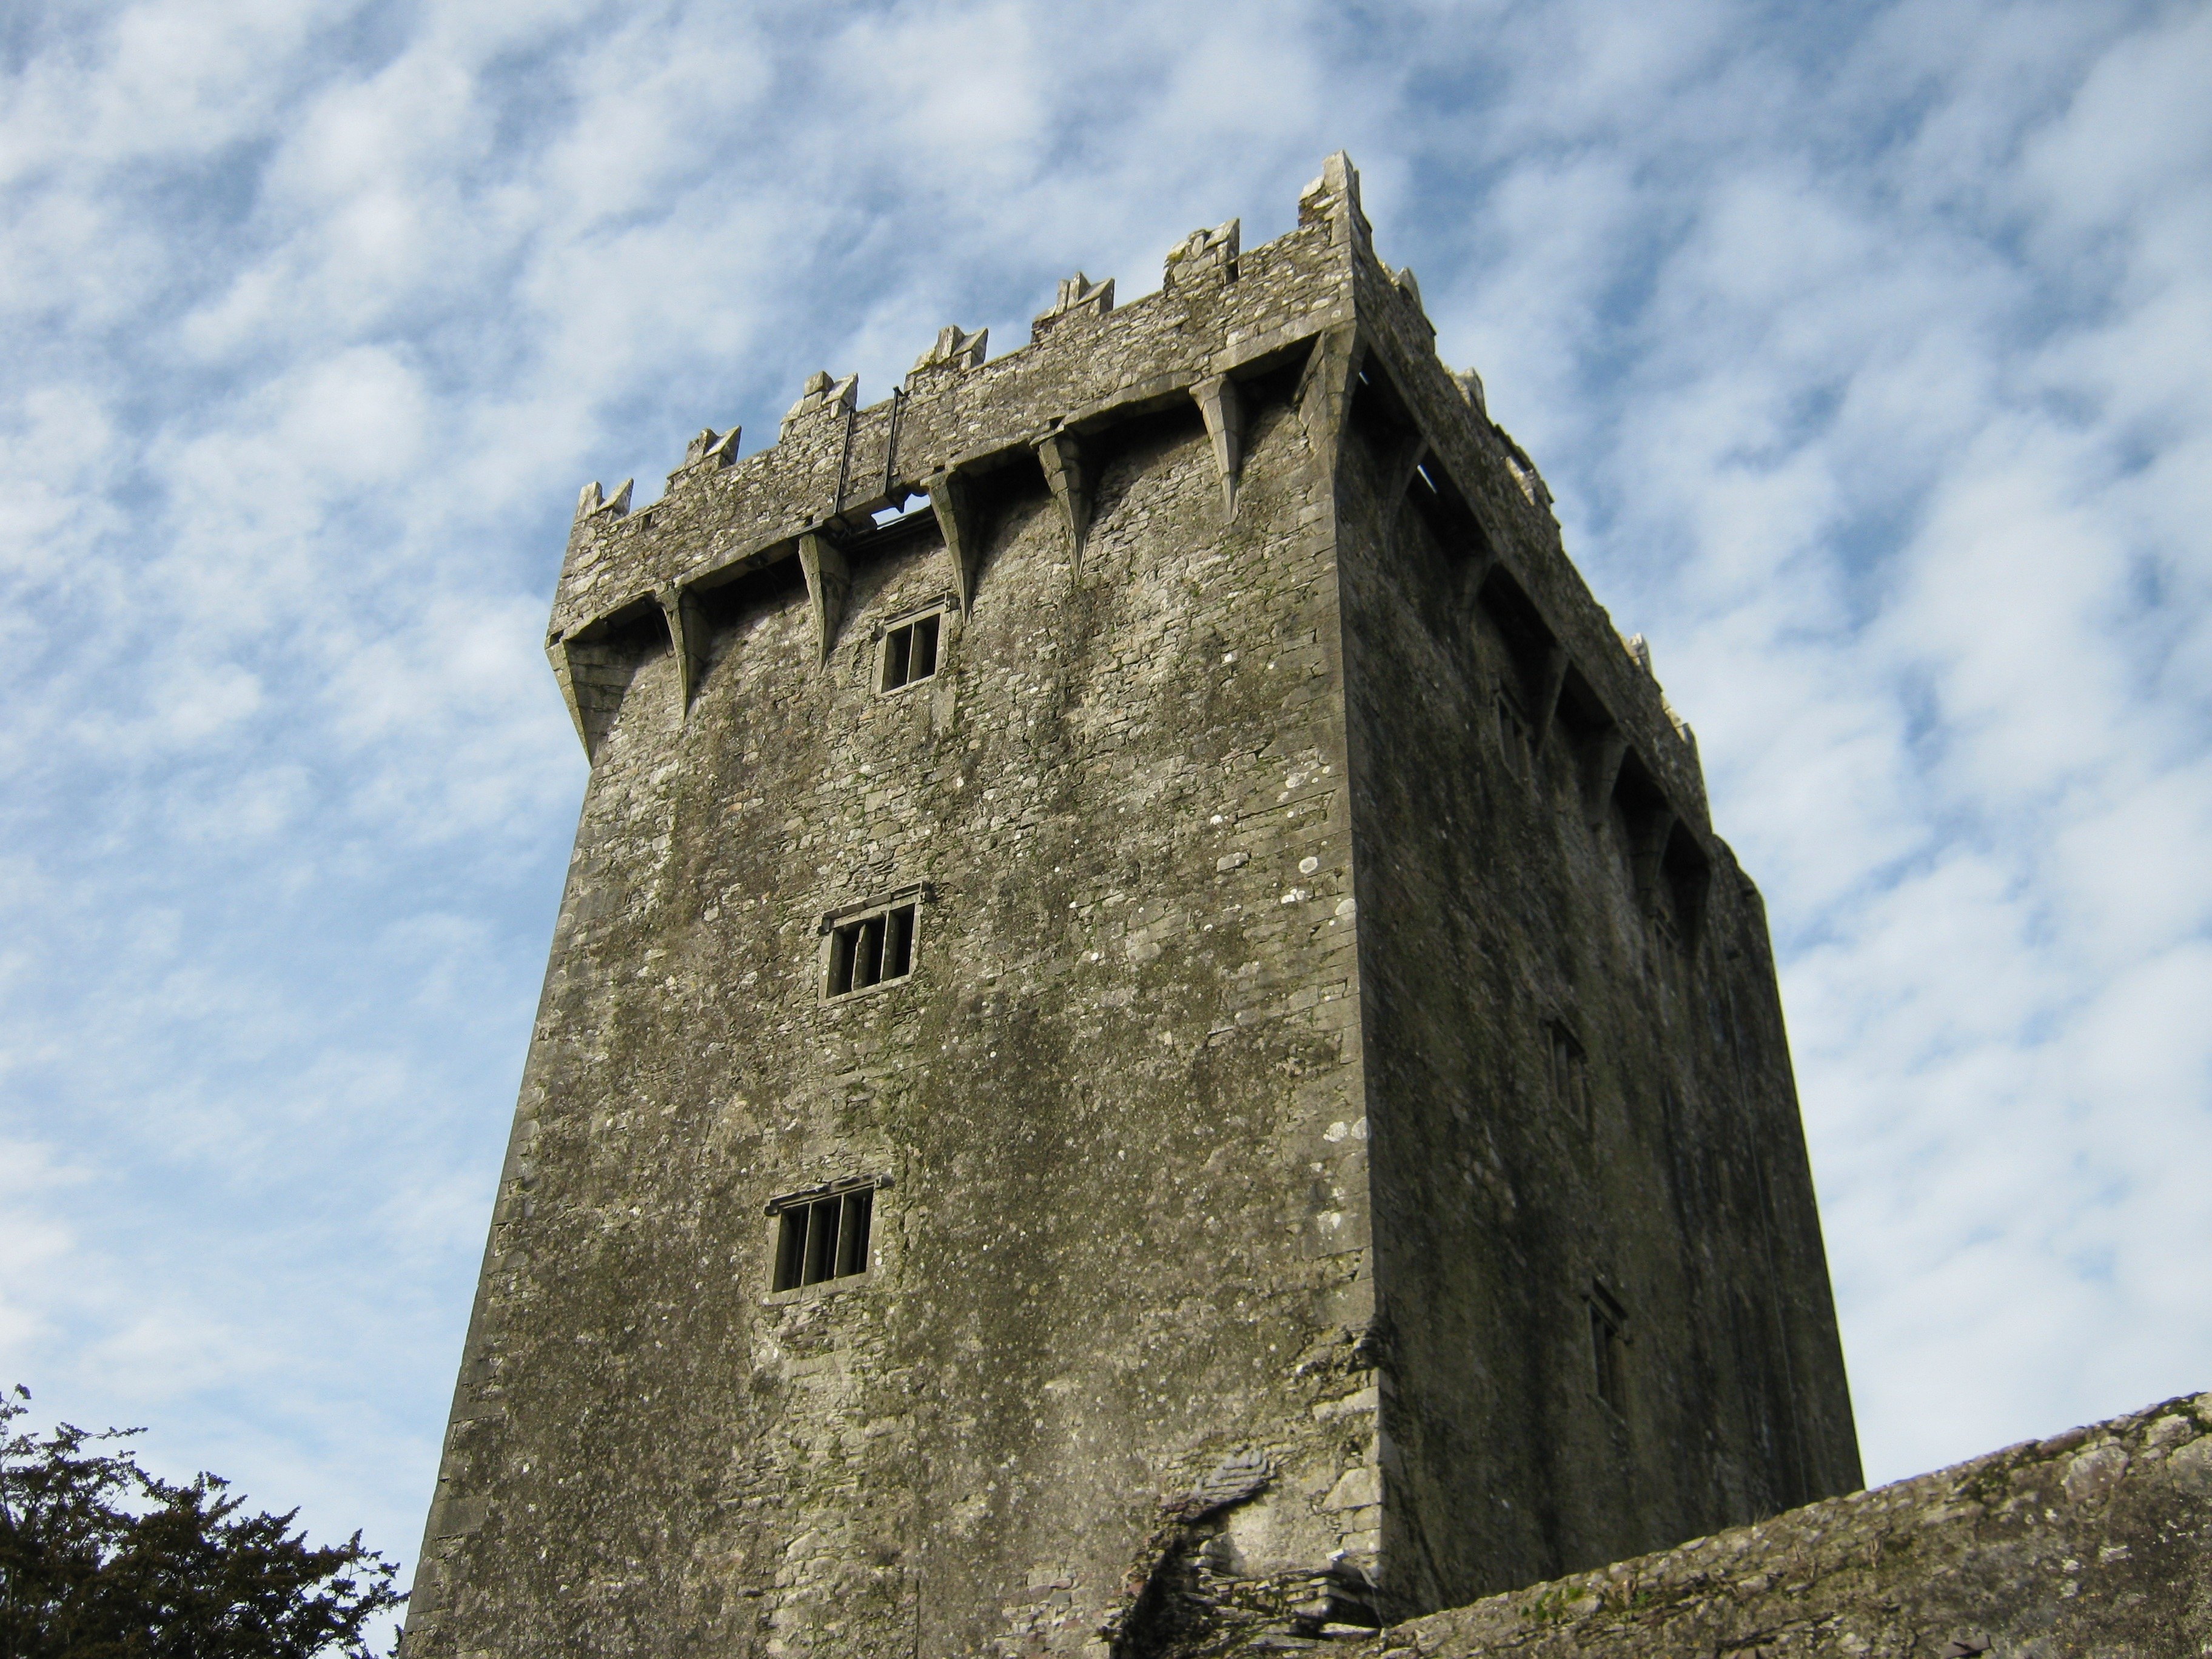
x,y
956,521
687,637
594,666
1325,390
1061,455
556,653
1218,400
1469,576
1601,767
828,583
1553,681
1405,464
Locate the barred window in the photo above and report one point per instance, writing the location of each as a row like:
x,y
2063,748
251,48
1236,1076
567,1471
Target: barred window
x,y
823,1234
869,950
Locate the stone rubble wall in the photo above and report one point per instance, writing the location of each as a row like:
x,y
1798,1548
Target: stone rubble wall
x,y
2097,1541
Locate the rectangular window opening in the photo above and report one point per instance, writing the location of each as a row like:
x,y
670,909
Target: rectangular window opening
x,y
872,950
910,652
823,1238
1606,1322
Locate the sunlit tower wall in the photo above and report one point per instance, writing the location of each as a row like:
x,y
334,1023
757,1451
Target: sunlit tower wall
x,y
1148,1034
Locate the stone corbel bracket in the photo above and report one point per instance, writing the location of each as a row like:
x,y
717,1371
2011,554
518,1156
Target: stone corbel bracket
x,y
1325,388
1060,454
687,637
595,664
953,503
829,581
1223,410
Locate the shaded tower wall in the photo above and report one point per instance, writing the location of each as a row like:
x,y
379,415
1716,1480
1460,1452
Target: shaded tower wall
x,y
1121,1363
1603,1294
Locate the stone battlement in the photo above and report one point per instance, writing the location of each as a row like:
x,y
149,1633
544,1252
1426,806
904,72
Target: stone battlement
x,y
1316,301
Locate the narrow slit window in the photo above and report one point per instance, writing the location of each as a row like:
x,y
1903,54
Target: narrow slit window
x,y
822,1238
910,652
1606,1324
1570,1078
871,950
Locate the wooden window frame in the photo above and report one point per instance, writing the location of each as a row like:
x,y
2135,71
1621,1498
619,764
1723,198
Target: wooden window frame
x,y
869,947
894,654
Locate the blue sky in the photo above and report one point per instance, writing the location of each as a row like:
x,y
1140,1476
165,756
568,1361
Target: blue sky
x,y
1865,349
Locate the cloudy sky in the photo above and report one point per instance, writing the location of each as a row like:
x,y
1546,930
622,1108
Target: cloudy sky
x,y
1865,349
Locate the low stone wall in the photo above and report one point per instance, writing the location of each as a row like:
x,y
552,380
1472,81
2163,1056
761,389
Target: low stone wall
x,y
2093,1542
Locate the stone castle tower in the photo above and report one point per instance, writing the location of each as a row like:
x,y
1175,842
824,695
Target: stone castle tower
x,y
1147,1035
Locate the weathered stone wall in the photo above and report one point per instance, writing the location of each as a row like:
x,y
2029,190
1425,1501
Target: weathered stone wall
x,y
1123,1239
1117,1375
1503,910
2095,1542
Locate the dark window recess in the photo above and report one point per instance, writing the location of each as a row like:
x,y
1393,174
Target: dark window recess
x,y
1569,1077
1606,1322
910,652
819,1238
869,950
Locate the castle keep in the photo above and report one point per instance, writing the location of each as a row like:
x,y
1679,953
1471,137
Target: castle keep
x,y
1148,1037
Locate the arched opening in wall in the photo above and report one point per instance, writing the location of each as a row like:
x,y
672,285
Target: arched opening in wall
x,y
1532,674
1586,734
602,659
1647,824
1668,871
1118,452
1000,487
1406,473
736,604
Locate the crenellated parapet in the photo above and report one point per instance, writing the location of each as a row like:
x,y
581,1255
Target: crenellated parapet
x,y
1315,300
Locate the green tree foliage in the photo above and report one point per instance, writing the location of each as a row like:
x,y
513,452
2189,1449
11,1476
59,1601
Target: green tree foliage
x,y
100,1559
